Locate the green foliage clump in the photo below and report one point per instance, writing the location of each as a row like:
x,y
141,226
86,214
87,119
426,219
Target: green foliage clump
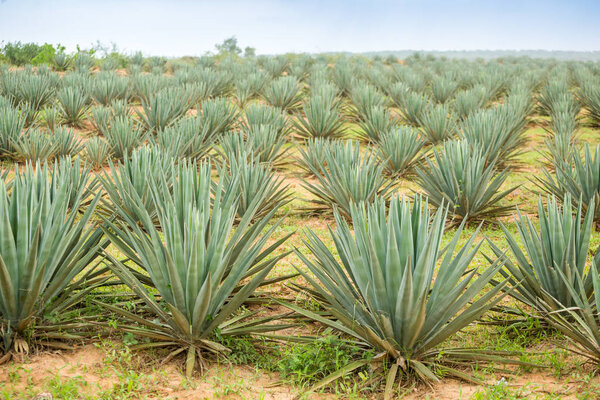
x,y
307,363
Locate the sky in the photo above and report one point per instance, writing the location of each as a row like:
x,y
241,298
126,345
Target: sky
x,y
184,27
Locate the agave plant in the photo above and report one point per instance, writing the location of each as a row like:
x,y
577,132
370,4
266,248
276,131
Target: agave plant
x,y
132,178
120,108
412,105
554,92
244,92
438,123
343,77
276,66
554,260
108,86
73,104
344,176
442,89
165,107
109,63
562,134
283,93
77,173
83,62
123,136
145,86
258,80
580,323
469,101
101,116
262,143
415,80
321,119
156,64
195,259
376,122
34,145
51,118
30,114
589,96
364,98
326,90
377,286
62,61
257,115
96,152
397,93
9,84
564,121
5,103
253,179
379,77
188,138
560,150
46,245
27,88
498,133
460,177
11,127
578,177
218,116
320,74
213,83
75,81
519,104
400,151
300,67
567,106
65,142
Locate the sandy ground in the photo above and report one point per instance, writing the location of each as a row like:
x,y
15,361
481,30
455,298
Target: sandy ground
x,y
100,370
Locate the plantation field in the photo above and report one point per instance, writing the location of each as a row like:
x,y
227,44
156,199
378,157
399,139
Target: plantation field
x,y
299,227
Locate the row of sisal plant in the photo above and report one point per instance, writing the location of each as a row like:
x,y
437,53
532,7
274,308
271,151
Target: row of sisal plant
x,y
413,88
466,174
178,238
422,91
493,130
464,167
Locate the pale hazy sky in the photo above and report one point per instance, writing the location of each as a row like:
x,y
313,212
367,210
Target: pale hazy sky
x,y
180,27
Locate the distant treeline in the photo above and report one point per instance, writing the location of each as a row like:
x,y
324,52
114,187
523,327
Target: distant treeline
x,y
19,54
491,54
